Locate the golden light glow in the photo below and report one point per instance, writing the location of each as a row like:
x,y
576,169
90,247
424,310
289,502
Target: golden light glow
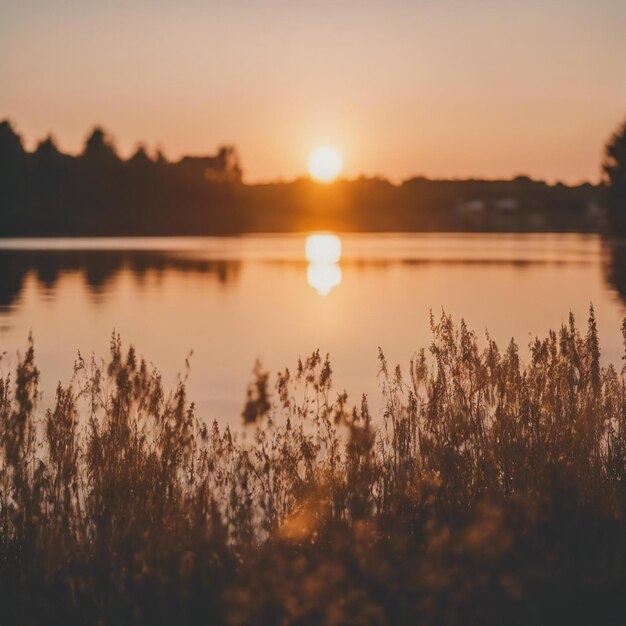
x,y
323,277
323,251
323,248
325,164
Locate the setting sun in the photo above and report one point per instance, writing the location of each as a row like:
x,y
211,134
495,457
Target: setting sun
x,y
325,164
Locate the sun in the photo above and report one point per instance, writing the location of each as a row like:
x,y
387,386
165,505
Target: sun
x,y
325,164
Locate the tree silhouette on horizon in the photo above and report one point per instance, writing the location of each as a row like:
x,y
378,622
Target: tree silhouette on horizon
x,y
100,146
614,167
100,193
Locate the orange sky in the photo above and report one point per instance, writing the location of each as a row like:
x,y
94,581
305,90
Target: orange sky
x,y
443,88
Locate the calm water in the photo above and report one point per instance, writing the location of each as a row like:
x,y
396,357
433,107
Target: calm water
x,y
233,300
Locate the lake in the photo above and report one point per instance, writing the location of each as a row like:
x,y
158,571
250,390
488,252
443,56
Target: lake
x,y
232,300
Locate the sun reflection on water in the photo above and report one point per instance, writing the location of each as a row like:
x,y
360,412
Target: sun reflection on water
x,y
323,252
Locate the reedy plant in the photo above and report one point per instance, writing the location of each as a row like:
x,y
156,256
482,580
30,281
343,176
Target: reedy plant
x,y
482,481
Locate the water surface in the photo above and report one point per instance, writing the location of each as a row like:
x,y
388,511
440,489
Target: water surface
x,y
233,300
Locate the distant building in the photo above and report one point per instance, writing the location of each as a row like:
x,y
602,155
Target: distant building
x,y
537,221
507,205
222,167
471,207
595,215
594,211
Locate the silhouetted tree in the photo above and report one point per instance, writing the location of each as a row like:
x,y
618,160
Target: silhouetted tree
x,y
614,166
10,142
140,158
99,147
13,172
47,151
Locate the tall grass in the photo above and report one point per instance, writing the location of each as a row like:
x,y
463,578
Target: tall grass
x,y
489,491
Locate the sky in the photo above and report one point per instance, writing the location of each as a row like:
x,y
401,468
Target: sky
x,y
440,88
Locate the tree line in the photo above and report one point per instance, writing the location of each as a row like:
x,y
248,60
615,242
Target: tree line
x,y
46,192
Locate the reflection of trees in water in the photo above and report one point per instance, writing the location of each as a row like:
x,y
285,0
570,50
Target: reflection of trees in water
x,y
98,268
615,265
